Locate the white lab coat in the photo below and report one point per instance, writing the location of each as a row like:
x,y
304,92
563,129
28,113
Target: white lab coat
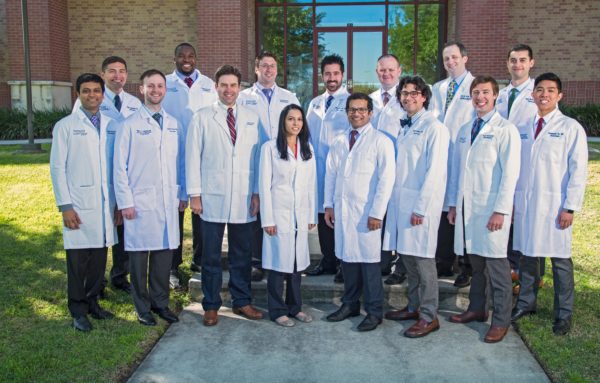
x,y
388,119
460,111
324,127
81,176
225,176
358,185
182,101
288,200
378,106
483,178
253,98
523,108
129,105
149,179
553,177
421,162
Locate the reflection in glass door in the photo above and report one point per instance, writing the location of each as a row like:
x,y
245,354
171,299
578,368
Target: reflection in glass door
x,y
366,49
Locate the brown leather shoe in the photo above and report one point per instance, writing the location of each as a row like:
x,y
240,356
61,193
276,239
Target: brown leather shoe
x,y
403,314
248,311
210,317
469,316
513,275
516,290
495,334
422,328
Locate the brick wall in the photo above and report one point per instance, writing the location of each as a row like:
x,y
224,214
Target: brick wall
x,y
143,32
564,37
4,70
223,35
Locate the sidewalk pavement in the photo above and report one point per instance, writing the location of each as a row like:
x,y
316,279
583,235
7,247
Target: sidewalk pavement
x,y
240,350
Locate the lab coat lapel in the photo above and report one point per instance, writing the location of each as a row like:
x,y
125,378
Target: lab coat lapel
x,y
221,121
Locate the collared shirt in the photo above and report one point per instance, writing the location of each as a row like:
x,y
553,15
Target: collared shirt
x,y
413,120
518,88
193,76
111,95
223,109
486,117
89,115
151,113
391,91
546,118
460,78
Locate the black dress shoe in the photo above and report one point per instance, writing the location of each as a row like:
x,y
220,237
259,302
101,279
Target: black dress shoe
x,y
126,287
339,276
369,323
517,314
166,314
342,313
445,273
463,280
99,313
561,326
195,268
256,274
82,323
147,319
395,279
319,270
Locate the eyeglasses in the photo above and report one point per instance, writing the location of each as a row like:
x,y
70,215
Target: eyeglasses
x,y
357,110
413,93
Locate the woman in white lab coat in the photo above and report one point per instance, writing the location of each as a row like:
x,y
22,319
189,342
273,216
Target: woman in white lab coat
x,y
287,188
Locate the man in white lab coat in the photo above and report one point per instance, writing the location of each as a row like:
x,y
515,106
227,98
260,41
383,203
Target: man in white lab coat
x,y
150,190
358,185
267,100
515,103
222,159
387,112
451,103
415,208
553,178
81,180
188,91
327,118
483,177
118,105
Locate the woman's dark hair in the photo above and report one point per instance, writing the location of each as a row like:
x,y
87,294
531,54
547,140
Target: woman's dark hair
x,y
304,134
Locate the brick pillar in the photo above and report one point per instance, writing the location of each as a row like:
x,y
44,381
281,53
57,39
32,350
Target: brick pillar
x,y
483,26
223,36
49,52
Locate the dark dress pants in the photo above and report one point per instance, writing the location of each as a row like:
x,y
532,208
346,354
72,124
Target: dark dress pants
x,y
491,276
197,239
564,285
177,258
444,253
329,261
120,266
257,241
363,278
239,258
85,273
150,279
292,304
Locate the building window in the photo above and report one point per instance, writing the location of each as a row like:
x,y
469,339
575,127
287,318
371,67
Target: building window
x,y
300,33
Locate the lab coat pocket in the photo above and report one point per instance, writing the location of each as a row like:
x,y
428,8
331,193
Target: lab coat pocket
x,y
144,199
84,197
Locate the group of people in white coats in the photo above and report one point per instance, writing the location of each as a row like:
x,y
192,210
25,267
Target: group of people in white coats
x,y
397,175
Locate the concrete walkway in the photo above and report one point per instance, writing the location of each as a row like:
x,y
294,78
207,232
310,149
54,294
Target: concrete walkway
x,y
240,350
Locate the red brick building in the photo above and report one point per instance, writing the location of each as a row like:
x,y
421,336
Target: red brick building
x,y
69,37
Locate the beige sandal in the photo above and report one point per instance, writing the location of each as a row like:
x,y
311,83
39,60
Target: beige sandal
x,y
304,317
284,321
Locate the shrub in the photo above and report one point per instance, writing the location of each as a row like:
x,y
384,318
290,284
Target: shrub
x,y
588,116
13,123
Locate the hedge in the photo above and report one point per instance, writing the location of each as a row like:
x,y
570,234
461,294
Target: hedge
x,y
13,123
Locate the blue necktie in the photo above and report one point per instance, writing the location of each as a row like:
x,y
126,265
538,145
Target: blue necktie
x,y
476,128
158,118
117,102
328,102
268,93
95,121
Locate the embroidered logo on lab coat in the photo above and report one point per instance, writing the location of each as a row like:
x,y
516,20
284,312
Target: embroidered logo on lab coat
x,y
173,89
206,89
529,99
104,108
316,106
462,140
250,123
487,136
555,134
111,131
250,102
465,97
132,108
524,136
417,132
143,132
174,130
284,101
79,132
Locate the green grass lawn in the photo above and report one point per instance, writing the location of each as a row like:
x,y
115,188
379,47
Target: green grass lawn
x,y
37,343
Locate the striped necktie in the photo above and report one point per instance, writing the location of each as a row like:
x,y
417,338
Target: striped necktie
x,y
386,98
231,124
328,102
476,128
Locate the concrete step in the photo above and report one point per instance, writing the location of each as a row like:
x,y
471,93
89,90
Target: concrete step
x,y
322,289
